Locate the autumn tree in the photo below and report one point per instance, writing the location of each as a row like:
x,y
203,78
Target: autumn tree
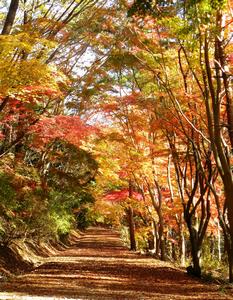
x,y
38,46
199,33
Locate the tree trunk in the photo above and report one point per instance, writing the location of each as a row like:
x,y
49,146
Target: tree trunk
x,y
228,237
174,256
131,220
219,244
183,250
131,229
215,89
229,250
182,246
230,262
161,237
156,238
228,185
10,18
195,251
212,245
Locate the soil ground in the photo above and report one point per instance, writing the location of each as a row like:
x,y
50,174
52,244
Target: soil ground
x,y
98,266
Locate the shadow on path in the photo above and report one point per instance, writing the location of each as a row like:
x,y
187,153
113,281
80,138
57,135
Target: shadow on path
x,y
98,266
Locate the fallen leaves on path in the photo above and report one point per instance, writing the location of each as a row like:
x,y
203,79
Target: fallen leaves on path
x,y
98,266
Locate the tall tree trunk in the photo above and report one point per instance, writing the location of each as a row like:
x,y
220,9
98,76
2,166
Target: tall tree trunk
x,y
182,245
174,256
183,250
219,244
131,229
228,236
10,18
131,220
230,262
161,237
215,89
195,251
156,238
229,250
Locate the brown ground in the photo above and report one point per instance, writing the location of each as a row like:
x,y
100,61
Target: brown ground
x,y
97,266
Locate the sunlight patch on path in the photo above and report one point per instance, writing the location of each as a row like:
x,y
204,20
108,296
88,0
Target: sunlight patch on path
x,y
22,296
81,259
96,269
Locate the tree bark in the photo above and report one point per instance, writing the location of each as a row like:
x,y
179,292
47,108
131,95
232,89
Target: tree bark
x,y
131,229
195,250
161,236
222,157
156,238
219,244
10,18
182,246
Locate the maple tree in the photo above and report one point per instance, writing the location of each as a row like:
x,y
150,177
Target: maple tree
x,y
33,121
139,146
194,58
152,59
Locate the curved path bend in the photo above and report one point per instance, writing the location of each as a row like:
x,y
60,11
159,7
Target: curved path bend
x,y
98,266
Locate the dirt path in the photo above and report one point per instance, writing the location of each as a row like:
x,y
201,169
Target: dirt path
x,y
99,267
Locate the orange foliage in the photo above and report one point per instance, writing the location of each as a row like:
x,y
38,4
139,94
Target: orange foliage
x,y
68,128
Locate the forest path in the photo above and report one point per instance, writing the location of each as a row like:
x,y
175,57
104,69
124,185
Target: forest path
x,y
98,266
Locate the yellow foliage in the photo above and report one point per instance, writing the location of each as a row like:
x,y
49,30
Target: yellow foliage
x,y
22,73
23,41
22,62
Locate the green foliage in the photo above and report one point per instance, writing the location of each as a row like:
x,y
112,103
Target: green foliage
x,y
31,208
124,231
83,218
161,8
70,168
68,210
63,221
141,7
7,192
21,201
120,59
211,263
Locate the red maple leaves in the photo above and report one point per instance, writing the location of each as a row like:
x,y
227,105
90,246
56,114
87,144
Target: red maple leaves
x,y
122,195
69,128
